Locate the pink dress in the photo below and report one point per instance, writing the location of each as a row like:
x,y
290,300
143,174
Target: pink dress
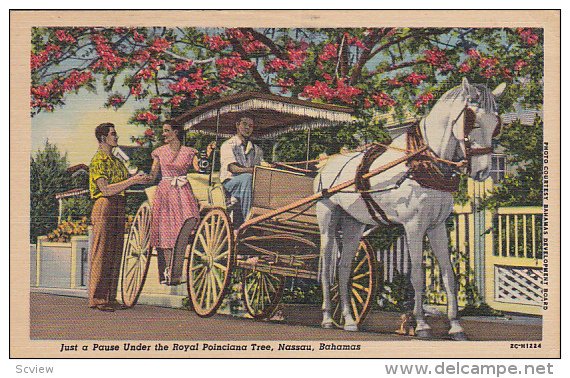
x,y
174,201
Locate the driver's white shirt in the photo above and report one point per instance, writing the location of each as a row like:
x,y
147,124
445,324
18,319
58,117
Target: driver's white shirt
x,y
233,151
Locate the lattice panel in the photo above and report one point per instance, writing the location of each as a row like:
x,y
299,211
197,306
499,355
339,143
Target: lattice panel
x,y
518,285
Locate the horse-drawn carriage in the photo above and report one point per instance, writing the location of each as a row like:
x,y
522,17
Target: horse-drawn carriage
x,y
279,239
311,228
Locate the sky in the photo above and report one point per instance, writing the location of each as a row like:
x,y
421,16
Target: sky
x,y
72,127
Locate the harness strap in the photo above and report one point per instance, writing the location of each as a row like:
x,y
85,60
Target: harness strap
x,y
363,184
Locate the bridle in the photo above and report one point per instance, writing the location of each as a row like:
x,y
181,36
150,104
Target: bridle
x,y
469,124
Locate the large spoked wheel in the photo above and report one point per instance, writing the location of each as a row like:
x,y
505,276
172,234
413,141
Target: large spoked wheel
x,y
362,286
136,256
262,293
210,262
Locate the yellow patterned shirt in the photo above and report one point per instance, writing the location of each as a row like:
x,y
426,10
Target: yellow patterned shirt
x,y
108,167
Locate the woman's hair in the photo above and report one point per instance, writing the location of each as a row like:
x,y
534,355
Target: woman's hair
x,y
177,127
103,130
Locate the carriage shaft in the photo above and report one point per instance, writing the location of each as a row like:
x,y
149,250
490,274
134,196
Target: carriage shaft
x,y
330,191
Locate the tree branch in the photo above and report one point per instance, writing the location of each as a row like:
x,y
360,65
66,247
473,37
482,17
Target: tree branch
x,y
275,49
253,69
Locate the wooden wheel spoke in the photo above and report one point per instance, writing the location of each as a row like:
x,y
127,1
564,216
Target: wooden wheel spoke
x,y
359,265
221,267
357,296
355,311
217,247
362,275
205,245
221,256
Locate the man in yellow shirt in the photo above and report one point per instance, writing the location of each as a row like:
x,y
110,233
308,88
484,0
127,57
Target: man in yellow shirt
x,y
108,180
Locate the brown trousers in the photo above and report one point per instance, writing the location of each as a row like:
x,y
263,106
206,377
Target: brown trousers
x,y
108,218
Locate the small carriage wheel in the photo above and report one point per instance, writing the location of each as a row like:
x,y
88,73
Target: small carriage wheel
x,y
136,256
210,262
262,293
362,285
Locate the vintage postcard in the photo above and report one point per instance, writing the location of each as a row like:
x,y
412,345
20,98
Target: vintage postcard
x,y
283,184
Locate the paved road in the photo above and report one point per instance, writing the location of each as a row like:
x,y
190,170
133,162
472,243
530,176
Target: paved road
x,y
59,318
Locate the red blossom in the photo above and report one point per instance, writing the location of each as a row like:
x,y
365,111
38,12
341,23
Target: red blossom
x,y
136,89
149,133
185,66
141,56
138,37
367,104
473,53
197,83
319,90
147,117
488,62
159,45
519,64
330,50
145,74
278,64
507,73
424,100
527,36
415,78
176,100
383,100
354,41
64,36
216,42
435,57
285,83
41,58
75,80
115,101
108,59
155,103
342,92
464,67
489,73
346,93
327,77
232,67
297,54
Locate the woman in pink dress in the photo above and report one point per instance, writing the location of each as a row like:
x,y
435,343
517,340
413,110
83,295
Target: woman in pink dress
x,y
174,202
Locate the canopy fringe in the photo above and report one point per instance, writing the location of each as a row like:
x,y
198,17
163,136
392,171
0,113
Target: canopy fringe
x,y
263,104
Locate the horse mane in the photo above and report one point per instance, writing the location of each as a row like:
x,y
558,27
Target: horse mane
x,y
479,93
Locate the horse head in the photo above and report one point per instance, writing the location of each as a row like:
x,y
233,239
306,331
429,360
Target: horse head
x,y
464,121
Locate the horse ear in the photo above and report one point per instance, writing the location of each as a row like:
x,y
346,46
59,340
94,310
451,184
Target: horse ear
x,y
465,84
497,92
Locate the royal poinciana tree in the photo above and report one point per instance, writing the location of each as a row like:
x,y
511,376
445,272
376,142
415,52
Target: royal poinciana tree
x,y
168,70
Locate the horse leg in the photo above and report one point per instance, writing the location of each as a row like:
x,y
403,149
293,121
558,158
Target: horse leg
x,y
351,234
440,246
414,239
328,219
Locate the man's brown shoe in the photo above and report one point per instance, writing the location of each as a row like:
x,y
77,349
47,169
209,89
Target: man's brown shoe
x,y
105,308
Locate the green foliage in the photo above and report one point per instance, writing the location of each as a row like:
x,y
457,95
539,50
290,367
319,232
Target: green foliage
x,y
398,295
523,145
48,176
301,291
76,208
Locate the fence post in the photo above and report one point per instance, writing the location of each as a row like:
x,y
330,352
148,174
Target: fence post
x,y
482,222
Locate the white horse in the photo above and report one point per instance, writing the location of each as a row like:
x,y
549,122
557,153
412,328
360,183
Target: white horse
x,y
420,210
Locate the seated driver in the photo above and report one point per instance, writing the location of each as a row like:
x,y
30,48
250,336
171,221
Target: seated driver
x,y
238,156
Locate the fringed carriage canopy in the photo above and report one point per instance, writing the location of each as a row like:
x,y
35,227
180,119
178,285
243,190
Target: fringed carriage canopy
x,y
272,114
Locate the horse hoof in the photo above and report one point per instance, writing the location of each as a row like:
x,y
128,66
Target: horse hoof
x,y
423,334
327,325
351,328
458,336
